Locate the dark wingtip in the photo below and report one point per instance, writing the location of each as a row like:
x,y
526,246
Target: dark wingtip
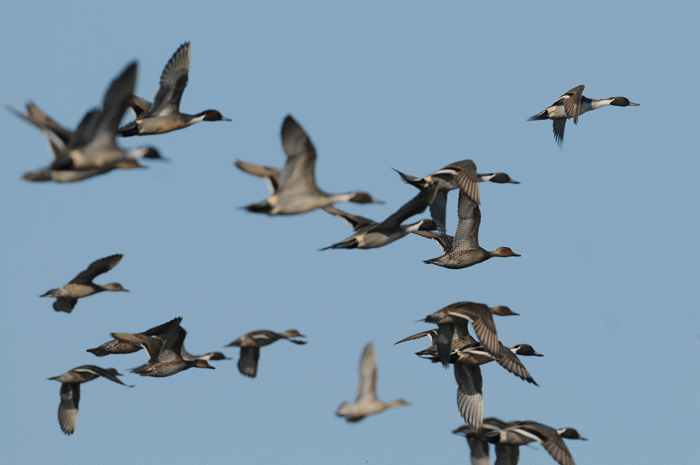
x,y
129,130
539,116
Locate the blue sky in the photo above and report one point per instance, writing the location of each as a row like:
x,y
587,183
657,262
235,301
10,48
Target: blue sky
x,y
606,288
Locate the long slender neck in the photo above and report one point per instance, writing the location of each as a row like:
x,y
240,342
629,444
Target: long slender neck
x,y
588,104
340,197
197,118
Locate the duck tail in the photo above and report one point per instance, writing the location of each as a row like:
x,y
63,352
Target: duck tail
x,y
539,116
127,130
142,370
346,244
412,180
50,293
97,351
261,207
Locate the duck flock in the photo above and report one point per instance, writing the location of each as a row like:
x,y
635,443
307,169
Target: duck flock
x,y
92,150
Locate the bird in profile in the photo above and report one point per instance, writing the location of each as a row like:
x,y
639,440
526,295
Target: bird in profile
x,y
475,354
467,363
82,286
571,105
121,346
456,317
164,114
367,402
370,234
461,173
508,437
296,191
463,250
467,350
95,146
59,140
251,343
164,354
70,392
467,355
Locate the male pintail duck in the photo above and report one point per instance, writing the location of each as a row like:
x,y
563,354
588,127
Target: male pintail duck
x,y
370,234
466,349
463,250
518,433
95,147
297,191
120,346
61,141
460,314
508,359
573,104
164,356
461,173
164,114
251,343
473,353
82,286
70,392
272,179
467,361
367,402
